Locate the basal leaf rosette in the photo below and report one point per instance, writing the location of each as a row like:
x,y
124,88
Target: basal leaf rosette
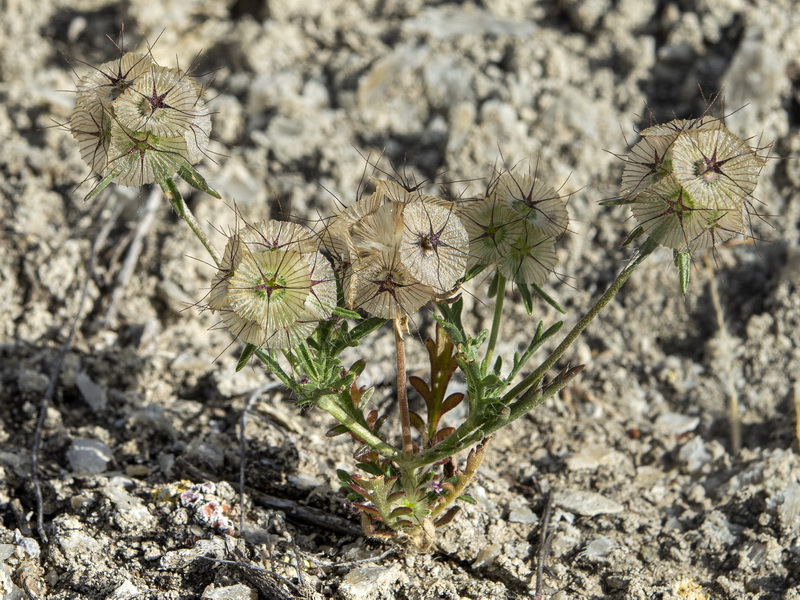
x,y
273,287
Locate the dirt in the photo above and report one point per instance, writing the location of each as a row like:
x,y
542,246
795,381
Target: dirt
x,y
140,452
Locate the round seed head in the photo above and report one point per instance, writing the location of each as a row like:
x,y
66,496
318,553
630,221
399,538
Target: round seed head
x,y
102,86
91,128
716,167
669,214
335,237
272,285
534,200
491,227
379,232
139,157
383,287
166,102
531,256
434,245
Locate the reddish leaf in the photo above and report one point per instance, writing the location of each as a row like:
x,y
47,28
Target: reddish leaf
x,y
452,401
442,434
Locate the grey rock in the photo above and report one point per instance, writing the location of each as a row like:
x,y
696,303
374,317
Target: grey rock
x,y
676,424
230,592
88,457
587,504
93,394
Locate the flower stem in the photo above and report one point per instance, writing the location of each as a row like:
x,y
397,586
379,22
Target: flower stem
x,y
333,408
534,378
402,396
495,331
178,203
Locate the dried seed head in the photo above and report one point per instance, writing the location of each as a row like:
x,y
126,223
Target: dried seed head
x,y
434,244
534,200
670,215
689,183
272,285
383,287
105,84
716,167
137,122
138,157
167,103
651,158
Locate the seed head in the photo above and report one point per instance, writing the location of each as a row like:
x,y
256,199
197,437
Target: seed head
x,y
434,244
272,285
137,122
689,183
531,256
534,200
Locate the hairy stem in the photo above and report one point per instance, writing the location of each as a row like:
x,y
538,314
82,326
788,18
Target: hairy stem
x,y
402,395
171,191
334,409
534,378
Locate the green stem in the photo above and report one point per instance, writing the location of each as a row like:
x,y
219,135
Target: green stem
x,y
329,405
534,378
495,331
171,191
531,396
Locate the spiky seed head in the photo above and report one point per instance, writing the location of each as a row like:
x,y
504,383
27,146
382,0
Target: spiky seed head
x,y
669,214
716,167
167,103
531,256
138,157
379,232
651,158
491,226
383,287
106,83
535,201
272,285
335,236
434,244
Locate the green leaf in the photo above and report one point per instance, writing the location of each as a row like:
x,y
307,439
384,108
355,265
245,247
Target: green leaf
x,y
370,468
347,314
544,296
527,300
245,356
493,285
683,261
191,176
473,271
618,201
467,498
633,235
100,187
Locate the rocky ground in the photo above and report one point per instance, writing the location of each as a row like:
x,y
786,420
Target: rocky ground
x,y
648,498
